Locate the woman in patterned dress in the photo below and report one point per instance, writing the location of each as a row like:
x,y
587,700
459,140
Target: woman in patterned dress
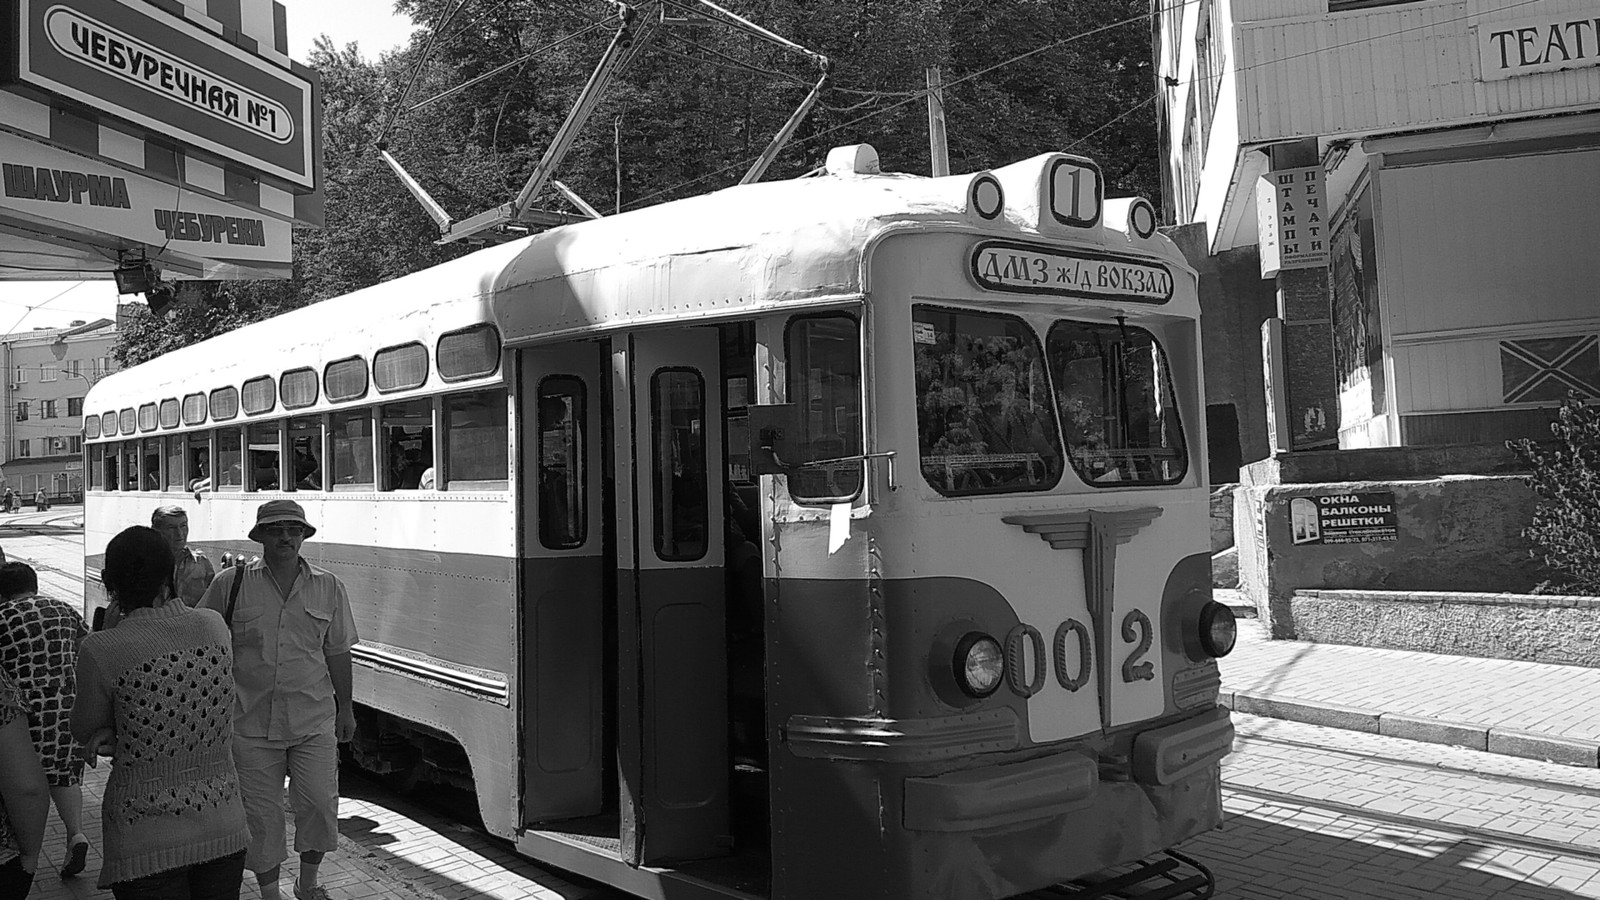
x,y
24,799
161,686
39,638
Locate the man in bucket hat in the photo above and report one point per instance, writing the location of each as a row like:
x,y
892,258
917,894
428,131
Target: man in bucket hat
x,y
292,635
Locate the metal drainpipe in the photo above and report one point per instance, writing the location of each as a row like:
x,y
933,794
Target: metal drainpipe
x,y
7,417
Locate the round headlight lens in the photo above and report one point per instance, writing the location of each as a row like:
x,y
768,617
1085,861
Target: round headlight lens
x,y
1219,631
979,664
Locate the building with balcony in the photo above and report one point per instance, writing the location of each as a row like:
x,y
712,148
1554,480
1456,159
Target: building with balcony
x,y
49,371
1404,194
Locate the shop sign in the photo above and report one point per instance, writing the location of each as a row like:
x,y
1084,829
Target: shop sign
x,y
1532,44
1357,518
1029,269
1292,220
130,59
45,183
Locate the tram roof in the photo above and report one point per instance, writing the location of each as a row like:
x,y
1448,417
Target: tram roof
x,y
739,250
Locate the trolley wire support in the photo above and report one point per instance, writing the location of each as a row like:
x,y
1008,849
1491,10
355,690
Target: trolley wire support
x,y
1170,875
636,24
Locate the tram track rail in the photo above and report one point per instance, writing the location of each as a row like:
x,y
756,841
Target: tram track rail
x,y
1466,832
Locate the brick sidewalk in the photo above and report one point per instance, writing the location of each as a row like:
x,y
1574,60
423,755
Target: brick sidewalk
x,y
388,848
1526,709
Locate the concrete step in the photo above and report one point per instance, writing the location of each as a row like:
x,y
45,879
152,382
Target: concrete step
x,y
1236,601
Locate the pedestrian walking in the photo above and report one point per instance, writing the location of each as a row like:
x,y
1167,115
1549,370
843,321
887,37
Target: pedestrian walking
x,y
192,571
24,796
157,692
39,504
8,499
292,635
39,638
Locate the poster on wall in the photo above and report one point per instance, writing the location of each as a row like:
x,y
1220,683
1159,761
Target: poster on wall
x,y
1367,517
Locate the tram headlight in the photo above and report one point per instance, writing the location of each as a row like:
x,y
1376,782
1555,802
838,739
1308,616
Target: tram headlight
x,y
979,664
1218,629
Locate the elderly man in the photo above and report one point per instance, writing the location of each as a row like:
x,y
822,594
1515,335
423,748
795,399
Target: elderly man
x,y
192,572
292,636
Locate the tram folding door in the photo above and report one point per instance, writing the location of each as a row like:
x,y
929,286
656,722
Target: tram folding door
x,y
563,577
672,690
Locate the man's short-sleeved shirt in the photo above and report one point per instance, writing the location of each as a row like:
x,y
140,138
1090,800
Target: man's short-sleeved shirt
x,y
280,649
192,573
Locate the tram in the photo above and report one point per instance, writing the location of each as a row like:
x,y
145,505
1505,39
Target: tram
x,y
844,536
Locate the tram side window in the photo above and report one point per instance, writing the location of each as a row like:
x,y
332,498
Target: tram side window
x,y
984,418
1118,408
262,459
305,454
130,465
678,463
824,354
113,467
407,434
563,453
230,460
174,451
152,464
352,449
476,453
97,472
199,454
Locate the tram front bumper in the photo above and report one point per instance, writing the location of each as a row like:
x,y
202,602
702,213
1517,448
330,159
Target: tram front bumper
x,y
1000,795
1007,794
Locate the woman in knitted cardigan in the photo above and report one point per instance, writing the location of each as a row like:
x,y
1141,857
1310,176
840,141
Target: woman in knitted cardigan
x,y
159,690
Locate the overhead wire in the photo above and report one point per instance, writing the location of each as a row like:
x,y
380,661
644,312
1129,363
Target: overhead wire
x,y
919,94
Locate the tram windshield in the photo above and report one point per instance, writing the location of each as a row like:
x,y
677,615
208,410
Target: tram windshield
x,y
984,417
1118,408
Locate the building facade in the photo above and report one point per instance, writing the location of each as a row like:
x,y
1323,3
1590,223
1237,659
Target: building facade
x,y
1415,183
49,371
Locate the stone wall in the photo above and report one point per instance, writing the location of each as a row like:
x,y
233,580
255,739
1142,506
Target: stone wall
x,y
1455,533
1531,627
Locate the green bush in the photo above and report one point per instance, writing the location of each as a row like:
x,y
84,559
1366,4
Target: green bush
x,y
1566,476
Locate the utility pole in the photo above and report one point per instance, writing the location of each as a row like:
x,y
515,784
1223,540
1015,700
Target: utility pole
x,y
939,146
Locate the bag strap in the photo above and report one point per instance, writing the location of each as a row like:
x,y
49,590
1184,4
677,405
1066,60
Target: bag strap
x,y
233,596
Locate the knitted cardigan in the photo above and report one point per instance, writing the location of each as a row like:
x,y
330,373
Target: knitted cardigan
x,y
163,679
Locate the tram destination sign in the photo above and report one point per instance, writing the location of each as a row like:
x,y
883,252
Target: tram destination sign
x,y
1366,517
1016,268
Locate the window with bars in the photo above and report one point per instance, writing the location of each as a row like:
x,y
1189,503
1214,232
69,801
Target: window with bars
x,y
194,409
168,415
260,395
298,388
345,379
224,404
400,368
468,353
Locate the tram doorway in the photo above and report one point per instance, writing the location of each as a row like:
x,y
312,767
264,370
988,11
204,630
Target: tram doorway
x,y
672,673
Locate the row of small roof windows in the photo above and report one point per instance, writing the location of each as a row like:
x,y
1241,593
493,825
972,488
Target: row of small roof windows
x,y
468,353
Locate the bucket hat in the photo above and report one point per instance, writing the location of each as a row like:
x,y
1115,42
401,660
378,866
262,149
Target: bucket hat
x,y
274,511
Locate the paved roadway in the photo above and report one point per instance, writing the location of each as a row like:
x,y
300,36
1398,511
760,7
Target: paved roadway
x,y
1312,812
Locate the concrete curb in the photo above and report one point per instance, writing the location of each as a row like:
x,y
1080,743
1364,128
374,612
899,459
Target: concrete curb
x,y
1492,739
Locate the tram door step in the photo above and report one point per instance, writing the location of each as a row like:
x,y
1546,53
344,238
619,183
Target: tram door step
x,y
1169,876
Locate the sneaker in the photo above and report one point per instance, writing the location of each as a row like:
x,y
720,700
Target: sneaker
x,y
77,856
315,892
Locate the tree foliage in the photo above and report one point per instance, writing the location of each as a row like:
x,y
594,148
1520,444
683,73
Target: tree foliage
x,y
1566,477
691,114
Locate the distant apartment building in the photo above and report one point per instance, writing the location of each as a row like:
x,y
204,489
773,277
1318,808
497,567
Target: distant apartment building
x,y
49,371
1405,194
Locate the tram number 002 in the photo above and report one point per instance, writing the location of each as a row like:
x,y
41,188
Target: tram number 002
x,y
1136,630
